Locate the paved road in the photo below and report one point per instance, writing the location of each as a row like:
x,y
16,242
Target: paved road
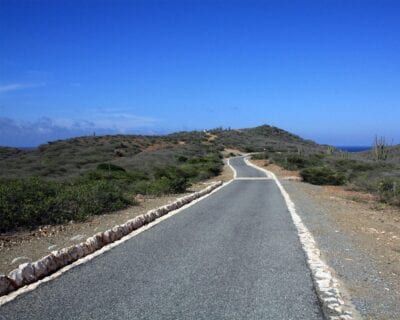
x,y
243,170
234,255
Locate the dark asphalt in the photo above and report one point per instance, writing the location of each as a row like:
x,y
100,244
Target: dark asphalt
x,y
234,255
243,170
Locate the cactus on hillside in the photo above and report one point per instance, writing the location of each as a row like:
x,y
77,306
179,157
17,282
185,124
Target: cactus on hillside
x,y
380,149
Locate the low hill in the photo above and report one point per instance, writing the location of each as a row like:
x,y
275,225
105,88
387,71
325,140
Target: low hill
x,y
72,157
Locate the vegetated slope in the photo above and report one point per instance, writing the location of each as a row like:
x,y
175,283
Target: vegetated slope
x,y
72,157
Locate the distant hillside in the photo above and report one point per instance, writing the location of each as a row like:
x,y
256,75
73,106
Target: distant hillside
x,y
70,158
264,138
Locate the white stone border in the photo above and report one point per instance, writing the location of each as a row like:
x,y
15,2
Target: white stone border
x,y
326,285
28,276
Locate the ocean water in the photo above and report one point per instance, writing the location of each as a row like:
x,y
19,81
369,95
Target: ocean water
x,y
353,148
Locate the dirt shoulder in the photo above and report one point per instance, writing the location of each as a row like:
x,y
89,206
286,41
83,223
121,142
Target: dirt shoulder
x,y
358,237
29,246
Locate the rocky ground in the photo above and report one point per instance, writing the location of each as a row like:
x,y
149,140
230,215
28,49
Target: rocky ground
x,y
31,245
358,237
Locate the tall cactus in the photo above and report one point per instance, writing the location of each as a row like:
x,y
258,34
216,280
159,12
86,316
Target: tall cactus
x,y
380,149
330,150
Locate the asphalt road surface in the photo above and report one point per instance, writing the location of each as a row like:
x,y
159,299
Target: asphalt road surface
x,y
233,255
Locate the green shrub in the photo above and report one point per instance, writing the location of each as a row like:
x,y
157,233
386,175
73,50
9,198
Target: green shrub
x,y
182,158
109,167
322,176
169,180
293,161
32,202
260,156
389,190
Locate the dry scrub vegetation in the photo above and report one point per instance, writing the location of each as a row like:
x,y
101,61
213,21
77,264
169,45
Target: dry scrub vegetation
x,y
76,178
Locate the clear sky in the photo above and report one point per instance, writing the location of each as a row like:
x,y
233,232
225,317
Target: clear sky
x,y
326,70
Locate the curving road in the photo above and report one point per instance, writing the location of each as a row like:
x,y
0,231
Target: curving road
x,y
245,171
233,255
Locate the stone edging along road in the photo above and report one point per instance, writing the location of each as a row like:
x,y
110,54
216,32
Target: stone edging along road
x,y
29,275
326,285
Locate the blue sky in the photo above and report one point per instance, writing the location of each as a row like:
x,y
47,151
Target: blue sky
x,y
326,70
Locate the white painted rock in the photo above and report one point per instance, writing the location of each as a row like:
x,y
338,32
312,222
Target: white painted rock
x,y
50,262
23,275
160,212
149,217
116,233
98,240
86,249
58,258
28,273
90,244
75,252
106,237
125,229
62,257
6,285
40,269
137,222
16,278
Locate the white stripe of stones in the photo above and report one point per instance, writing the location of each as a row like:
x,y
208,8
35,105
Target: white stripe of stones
x,y
326,285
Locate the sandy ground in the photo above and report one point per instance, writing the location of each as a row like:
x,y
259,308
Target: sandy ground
x,y
358,236
28,246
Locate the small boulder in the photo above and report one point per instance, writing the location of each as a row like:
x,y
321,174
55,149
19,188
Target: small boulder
x,y
125,229
6,285
86,249
50,262
136,223
28,273
23,275
75,252
149,217
16,278
62,257
98,240
106,237
40,269
90,244
116,233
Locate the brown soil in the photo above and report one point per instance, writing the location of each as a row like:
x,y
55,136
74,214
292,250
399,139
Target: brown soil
x,y
228,152
283,173
32,245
